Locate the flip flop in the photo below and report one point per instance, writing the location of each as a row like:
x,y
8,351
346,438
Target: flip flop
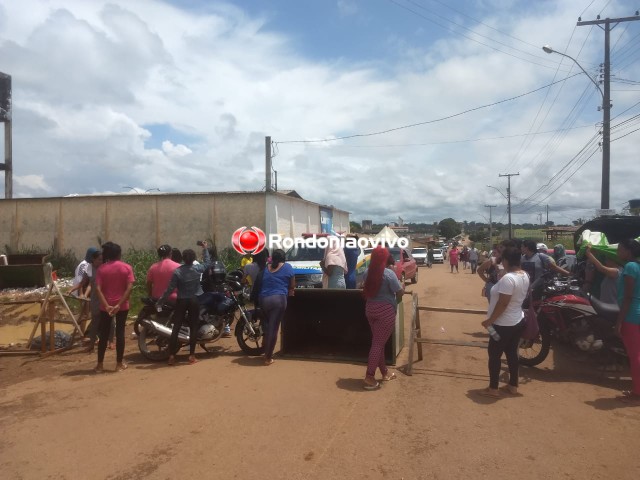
x,y
507,390
630,397
389,377
172,361
192,361
376,386
487,393
122,367
268,361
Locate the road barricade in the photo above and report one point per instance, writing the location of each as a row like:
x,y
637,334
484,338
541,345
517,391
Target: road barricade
x,y
331,324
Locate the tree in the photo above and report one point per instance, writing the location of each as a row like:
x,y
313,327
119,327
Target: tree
x,y
448,228
355,227
477,236
549,223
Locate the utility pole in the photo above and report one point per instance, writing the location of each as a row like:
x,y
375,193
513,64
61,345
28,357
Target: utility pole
x,y
547,213
509,175
609,24
490,226
267,164
5,117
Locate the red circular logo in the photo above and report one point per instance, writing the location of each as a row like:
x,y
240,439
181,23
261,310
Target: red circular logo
x,y
248,240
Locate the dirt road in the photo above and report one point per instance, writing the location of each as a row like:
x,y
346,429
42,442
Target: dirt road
x,y
231,417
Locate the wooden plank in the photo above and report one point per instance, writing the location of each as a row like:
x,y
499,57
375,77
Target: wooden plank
x,y
52,326
43,308
20,302
419,331
453,342
11,353
453,310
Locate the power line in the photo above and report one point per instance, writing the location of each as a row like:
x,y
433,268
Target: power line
x,y
503,137
468,37
382,132
622,136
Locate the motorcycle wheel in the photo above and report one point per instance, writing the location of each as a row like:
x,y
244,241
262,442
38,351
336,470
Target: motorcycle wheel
x,y
250,344
152,347
534,352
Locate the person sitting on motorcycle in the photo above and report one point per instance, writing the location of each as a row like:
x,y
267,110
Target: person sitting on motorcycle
x,y
160,273
537,264
186,278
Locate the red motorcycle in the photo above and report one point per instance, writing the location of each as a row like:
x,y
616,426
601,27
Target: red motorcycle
x,y
565,314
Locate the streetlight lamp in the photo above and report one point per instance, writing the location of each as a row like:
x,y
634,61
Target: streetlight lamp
x,y
498,190
606,128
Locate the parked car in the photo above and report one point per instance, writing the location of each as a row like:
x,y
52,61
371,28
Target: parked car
x,y
406,267
438,256
420,254
306,266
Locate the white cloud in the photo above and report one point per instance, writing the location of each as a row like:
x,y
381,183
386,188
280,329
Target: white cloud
x,y
175,150
32,183
88,75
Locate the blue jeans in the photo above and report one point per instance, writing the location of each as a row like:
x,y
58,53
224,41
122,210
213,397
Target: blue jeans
x,y
273,308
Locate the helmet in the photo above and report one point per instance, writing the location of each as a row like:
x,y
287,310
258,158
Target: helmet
x,y
207,332
235,275
541,247
218,272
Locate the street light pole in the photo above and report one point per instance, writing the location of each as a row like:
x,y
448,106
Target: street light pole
x,y
606,116
609,24
508,175
490,207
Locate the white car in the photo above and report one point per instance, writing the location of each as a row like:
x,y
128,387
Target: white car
x,y
437,256
420,254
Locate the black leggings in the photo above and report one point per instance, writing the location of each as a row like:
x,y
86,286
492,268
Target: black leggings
x,y
106,322
508,344
191,307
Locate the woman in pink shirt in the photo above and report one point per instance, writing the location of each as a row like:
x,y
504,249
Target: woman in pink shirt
x,y
453,258
160,273
114,283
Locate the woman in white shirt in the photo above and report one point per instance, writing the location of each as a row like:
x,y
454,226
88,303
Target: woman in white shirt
x,y
505,315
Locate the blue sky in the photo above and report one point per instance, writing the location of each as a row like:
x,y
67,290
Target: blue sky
x,y
163,94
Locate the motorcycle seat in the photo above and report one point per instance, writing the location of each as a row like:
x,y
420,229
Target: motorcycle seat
x,y
607,310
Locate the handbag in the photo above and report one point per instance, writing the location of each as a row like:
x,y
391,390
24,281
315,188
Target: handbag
x,y
531,327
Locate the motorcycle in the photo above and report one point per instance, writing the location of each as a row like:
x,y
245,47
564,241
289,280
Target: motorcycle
x,y
564,313
217,309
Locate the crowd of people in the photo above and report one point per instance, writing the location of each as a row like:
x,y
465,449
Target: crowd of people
x,y
507,275
514,265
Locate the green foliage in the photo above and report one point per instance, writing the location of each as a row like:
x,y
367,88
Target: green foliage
x,y
140,261
449,228
230,258
355,227
65,263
